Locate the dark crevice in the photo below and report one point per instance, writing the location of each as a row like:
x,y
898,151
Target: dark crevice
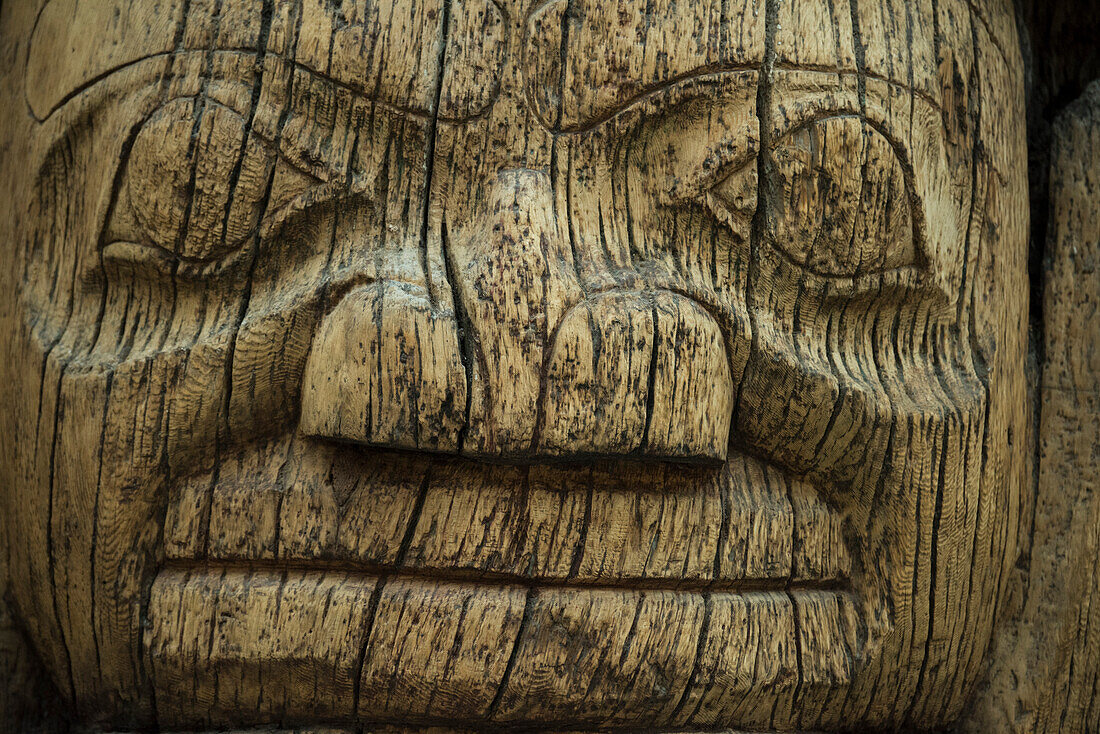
x,y
1061,58
937,514
368,629
50,540
414,519
651,389
433,134
466,336
513,655
586,521
490,579
246,296
763,196
796,614
103,430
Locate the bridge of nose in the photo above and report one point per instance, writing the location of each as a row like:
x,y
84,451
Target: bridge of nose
x,y
525,366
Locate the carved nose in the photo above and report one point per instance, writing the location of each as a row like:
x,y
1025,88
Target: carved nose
x,y
638,373
525,365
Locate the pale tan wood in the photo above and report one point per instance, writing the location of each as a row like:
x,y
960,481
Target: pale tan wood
x,y
1047,658
249,632
483,364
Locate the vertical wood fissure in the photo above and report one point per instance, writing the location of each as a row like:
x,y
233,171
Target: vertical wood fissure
x,y
513,655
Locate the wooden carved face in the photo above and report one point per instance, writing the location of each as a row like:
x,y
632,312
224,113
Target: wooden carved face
x,y
564,363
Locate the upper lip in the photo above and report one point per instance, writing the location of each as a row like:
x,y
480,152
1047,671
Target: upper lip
x,y
293,502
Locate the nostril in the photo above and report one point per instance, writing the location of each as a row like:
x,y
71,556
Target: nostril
x,y
385,371
638,373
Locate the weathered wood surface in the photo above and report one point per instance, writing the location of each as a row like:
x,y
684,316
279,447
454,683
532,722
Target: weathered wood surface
x,y
1045,674
490,363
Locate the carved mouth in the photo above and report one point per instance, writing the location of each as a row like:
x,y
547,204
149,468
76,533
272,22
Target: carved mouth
x,y
332,585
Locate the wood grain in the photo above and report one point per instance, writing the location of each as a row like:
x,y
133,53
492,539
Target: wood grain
x,y
496,364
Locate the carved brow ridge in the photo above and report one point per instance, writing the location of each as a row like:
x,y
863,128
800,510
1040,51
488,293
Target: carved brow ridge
x,y
863,73
710,71
426,114
409,111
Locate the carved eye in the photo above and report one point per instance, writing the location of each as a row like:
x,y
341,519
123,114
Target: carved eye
x,y
195,184
838,203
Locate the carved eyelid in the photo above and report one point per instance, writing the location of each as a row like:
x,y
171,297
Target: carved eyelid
x,y
901,153
271,120
322,171
662,98
319,184
319,168
834,113
683,161
912,201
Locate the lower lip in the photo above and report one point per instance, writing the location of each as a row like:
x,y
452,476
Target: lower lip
x,y
247,646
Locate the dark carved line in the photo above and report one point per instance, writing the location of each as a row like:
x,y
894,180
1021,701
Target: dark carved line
x,y
257,91
52,554
110,375
725,502
466,336
433,131
548,333
976,10
280,481
563,55
632,632
243,51
651,390
795,618
759,221
503,579
586,521
867,74
937,514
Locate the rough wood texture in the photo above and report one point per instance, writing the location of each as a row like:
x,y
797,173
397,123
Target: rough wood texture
x,y
557,364
1046,670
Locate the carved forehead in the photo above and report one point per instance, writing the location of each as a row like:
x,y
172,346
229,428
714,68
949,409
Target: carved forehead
x,y
579,59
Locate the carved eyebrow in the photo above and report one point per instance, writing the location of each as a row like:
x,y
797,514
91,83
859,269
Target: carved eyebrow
x,y
43,112
95,36
104,37
44,105
703,76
